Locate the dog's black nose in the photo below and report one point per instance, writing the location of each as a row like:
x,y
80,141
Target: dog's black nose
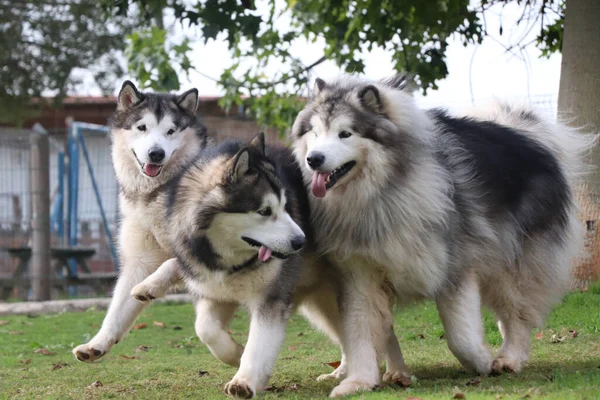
x,y
156,155
315,159
298,242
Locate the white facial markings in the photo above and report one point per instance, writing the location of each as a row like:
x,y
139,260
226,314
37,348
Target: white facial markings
x,y
337,151
155,136
275,231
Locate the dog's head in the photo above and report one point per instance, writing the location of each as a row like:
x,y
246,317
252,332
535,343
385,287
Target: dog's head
x,y
151,128
349,129
247,211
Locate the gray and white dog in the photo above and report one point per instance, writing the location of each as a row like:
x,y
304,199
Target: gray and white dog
x,y
154,137
237,219
414,204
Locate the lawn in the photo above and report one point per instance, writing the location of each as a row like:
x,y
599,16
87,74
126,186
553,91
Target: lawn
x,y
565,363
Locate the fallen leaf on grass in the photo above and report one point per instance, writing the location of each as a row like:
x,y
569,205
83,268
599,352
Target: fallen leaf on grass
x,y
141,348
421,336
474,382
140,326
458,394
44,351
334,364
58,365
129,357
276,389
15,333
498,396
413,398
202,373
28,361
557,339
95,384
292,348
160,324
4,322
539,335
573,333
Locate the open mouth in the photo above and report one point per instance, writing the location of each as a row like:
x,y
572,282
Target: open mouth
x,y
151,170
264,253
322,181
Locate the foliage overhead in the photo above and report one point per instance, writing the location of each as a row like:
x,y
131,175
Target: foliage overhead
x,y
262,35
43,41
414,32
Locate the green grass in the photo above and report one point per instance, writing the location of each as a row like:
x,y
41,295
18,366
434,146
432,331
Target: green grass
x,y
170,369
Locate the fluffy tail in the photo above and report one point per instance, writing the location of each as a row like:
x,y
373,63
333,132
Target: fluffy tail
x,y
571,146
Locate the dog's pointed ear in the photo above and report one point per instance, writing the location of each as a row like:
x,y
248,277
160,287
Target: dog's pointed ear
x,y
319,85
258,143
240,165
128,96
371,99
188,100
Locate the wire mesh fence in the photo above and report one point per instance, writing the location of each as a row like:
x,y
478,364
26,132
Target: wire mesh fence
x,y
15,204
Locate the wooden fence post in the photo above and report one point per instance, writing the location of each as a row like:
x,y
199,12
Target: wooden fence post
x,y
40,219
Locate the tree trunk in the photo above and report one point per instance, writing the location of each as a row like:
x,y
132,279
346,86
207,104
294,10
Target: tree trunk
x,y
579,104
579,92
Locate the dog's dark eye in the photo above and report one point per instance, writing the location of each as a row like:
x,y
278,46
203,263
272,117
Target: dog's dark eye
x,y
170,131
344,134
142,128
265,212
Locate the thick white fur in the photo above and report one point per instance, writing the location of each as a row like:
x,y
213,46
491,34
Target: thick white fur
x,y
141,252
412,259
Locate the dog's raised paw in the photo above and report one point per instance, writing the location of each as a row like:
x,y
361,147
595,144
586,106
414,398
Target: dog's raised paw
x,y
88,354
239,390
143,294
347,387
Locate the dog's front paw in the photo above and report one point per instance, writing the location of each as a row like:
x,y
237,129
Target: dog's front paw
x,y
506,364
91,352
348,387
239,389
338,374
145,293
400,377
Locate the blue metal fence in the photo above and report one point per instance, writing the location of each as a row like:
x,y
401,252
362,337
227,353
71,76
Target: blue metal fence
x,y
76,144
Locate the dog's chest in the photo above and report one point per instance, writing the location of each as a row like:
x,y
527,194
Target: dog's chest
x,y
240,287
150,218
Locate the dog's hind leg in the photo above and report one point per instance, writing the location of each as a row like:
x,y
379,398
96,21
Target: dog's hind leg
x,y
140,256
158,283
267,331
212,320
516,343
460,313
321,308
395,367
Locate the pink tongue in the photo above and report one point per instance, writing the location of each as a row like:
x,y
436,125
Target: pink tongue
x,y
318,184
151,169
264,253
